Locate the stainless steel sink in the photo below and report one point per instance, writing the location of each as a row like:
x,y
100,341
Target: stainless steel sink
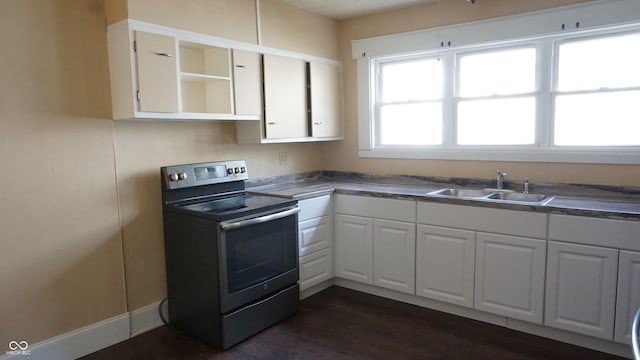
x,y
494,195
462,193
520,197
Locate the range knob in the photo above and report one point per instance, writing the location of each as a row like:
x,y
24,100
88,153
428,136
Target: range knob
x,y
173,177
230,171
182,176
243,169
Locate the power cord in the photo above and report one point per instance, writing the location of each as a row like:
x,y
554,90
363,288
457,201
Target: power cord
x,y
160,311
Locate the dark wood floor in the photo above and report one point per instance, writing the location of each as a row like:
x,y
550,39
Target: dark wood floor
x,y
345,324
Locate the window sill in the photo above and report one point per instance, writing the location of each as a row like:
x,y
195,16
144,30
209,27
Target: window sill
x,y
512,154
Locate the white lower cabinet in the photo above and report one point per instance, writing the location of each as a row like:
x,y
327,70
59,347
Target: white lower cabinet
x,y
373,243
315,240
315,268
394,260
445,264
628,297
488,259
581,288
354,248
510,276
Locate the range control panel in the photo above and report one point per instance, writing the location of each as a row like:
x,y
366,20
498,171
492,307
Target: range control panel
x,y
188,175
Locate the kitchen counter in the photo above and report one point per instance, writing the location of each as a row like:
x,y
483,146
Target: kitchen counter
x,y
582,200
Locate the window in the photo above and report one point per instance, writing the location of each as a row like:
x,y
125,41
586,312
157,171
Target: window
x,y
572,95
410,105
598,92
496,103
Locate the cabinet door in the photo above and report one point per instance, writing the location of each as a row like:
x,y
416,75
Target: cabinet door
x,y
354,248
628,298
247,82
315,268
157,72
581,289
285,96
445,264
394,254
326,100
315,234
510,276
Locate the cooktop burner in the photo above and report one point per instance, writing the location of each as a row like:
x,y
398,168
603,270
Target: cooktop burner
x,y
236,205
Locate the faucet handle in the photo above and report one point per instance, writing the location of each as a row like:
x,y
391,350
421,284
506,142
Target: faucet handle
x,y
503,174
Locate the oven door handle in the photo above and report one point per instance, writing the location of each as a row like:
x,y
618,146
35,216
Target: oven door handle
x,y
258,220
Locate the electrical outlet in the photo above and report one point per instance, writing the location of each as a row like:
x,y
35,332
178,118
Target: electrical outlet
x,y
283,158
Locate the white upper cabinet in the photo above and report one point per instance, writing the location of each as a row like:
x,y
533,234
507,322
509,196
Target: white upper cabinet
x,y
164,73
326,100
158,72
285,97
247,82
157,77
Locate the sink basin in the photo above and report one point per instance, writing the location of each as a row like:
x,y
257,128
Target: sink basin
x,y
520,197
462,193
495,195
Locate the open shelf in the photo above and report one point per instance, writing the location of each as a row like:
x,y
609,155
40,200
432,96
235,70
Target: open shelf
x,y
205,79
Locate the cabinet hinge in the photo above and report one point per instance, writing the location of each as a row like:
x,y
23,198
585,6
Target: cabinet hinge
x,y
138,95
135,46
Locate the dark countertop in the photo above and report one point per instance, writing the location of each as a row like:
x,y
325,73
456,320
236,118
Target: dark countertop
x,y
621,203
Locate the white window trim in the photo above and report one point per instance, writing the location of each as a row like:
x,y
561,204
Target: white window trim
x,y
598,17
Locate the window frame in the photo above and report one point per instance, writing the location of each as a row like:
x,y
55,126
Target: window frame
x,y
546,84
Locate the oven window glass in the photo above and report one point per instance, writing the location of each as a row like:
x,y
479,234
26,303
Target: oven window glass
x,y
259,252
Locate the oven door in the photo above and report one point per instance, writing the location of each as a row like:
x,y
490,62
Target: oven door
x,y
258,256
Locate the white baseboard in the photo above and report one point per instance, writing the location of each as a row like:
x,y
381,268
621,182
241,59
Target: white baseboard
x,y
147,318
94,337
539,330
77,343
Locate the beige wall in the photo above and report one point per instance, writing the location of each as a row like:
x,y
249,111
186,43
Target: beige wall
x,y
61,250
80,222
290,28
345,154
81,229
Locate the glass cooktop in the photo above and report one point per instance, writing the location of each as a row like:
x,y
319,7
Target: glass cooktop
x,y
238,205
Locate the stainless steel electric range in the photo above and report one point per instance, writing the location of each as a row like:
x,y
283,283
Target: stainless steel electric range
x,y
231,256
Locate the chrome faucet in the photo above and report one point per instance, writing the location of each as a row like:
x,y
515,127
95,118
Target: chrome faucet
x,y
501,177
526,186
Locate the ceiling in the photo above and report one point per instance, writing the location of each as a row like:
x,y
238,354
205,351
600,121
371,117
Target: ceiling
x,y
343,9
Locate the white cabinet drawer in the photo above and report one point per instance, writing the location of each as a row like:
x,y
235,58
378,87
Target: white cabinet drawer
x,y
315,268
619,234
509,222
315,234
315,207
380,208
